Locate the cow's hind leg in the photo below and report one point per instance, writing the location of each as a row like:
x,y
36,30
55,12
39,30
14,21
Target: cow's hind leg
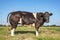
x,y
13,29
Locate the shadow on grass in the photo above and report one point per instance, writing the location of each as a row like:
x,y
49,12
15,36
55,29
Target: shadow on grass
x,y
24,32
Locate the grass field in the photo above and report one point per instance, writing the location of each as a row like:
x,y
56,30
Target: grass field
x,y
28,33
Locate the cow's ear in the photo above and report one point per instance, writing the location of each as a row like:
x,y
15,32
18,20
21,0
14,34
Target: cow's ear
x,y
50,14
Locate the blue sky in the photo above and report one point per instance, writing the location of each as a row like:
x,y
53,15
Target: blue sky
x,y
7,6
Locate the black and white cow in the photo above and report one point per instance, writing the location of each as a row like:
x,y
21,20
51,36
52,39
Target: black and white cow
x,y
26,18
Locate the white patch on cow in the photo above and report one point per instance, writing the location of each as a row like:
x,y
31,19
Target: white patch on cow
x,y
36,33
20,20
33,24
12,32
34,14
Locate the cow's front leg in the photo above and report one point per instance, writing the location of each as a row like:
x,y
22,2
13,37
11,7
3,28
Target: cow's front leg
x,y
37,28
37,31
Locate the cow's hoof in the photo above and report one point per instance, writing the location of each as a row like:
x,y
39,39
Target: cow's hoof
x,y
12,35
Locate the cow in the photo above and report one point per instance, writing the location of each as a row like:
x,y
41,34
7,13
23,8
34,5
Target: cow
x,y
26,18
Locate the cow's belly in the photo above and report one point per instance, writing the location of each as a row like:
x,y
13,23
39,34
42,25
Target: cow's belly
x,y
26,21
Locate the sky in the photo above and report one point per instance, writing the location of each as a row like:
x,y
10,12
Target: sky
x,y
53,6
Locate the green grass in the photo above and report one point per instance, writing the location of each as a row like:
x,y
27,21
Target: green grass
x,y
28,33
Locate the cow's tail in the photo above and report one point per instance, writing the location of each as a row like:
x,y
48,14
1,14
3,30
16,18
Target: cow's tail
x,y
7,21
8,17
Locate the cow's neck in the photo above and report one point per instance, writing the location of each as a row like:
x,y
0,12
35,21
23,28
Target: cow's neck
x,y
41,20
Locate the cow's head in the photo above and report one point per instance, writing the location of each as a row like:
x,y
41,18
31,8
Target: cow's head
x,y
46,16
